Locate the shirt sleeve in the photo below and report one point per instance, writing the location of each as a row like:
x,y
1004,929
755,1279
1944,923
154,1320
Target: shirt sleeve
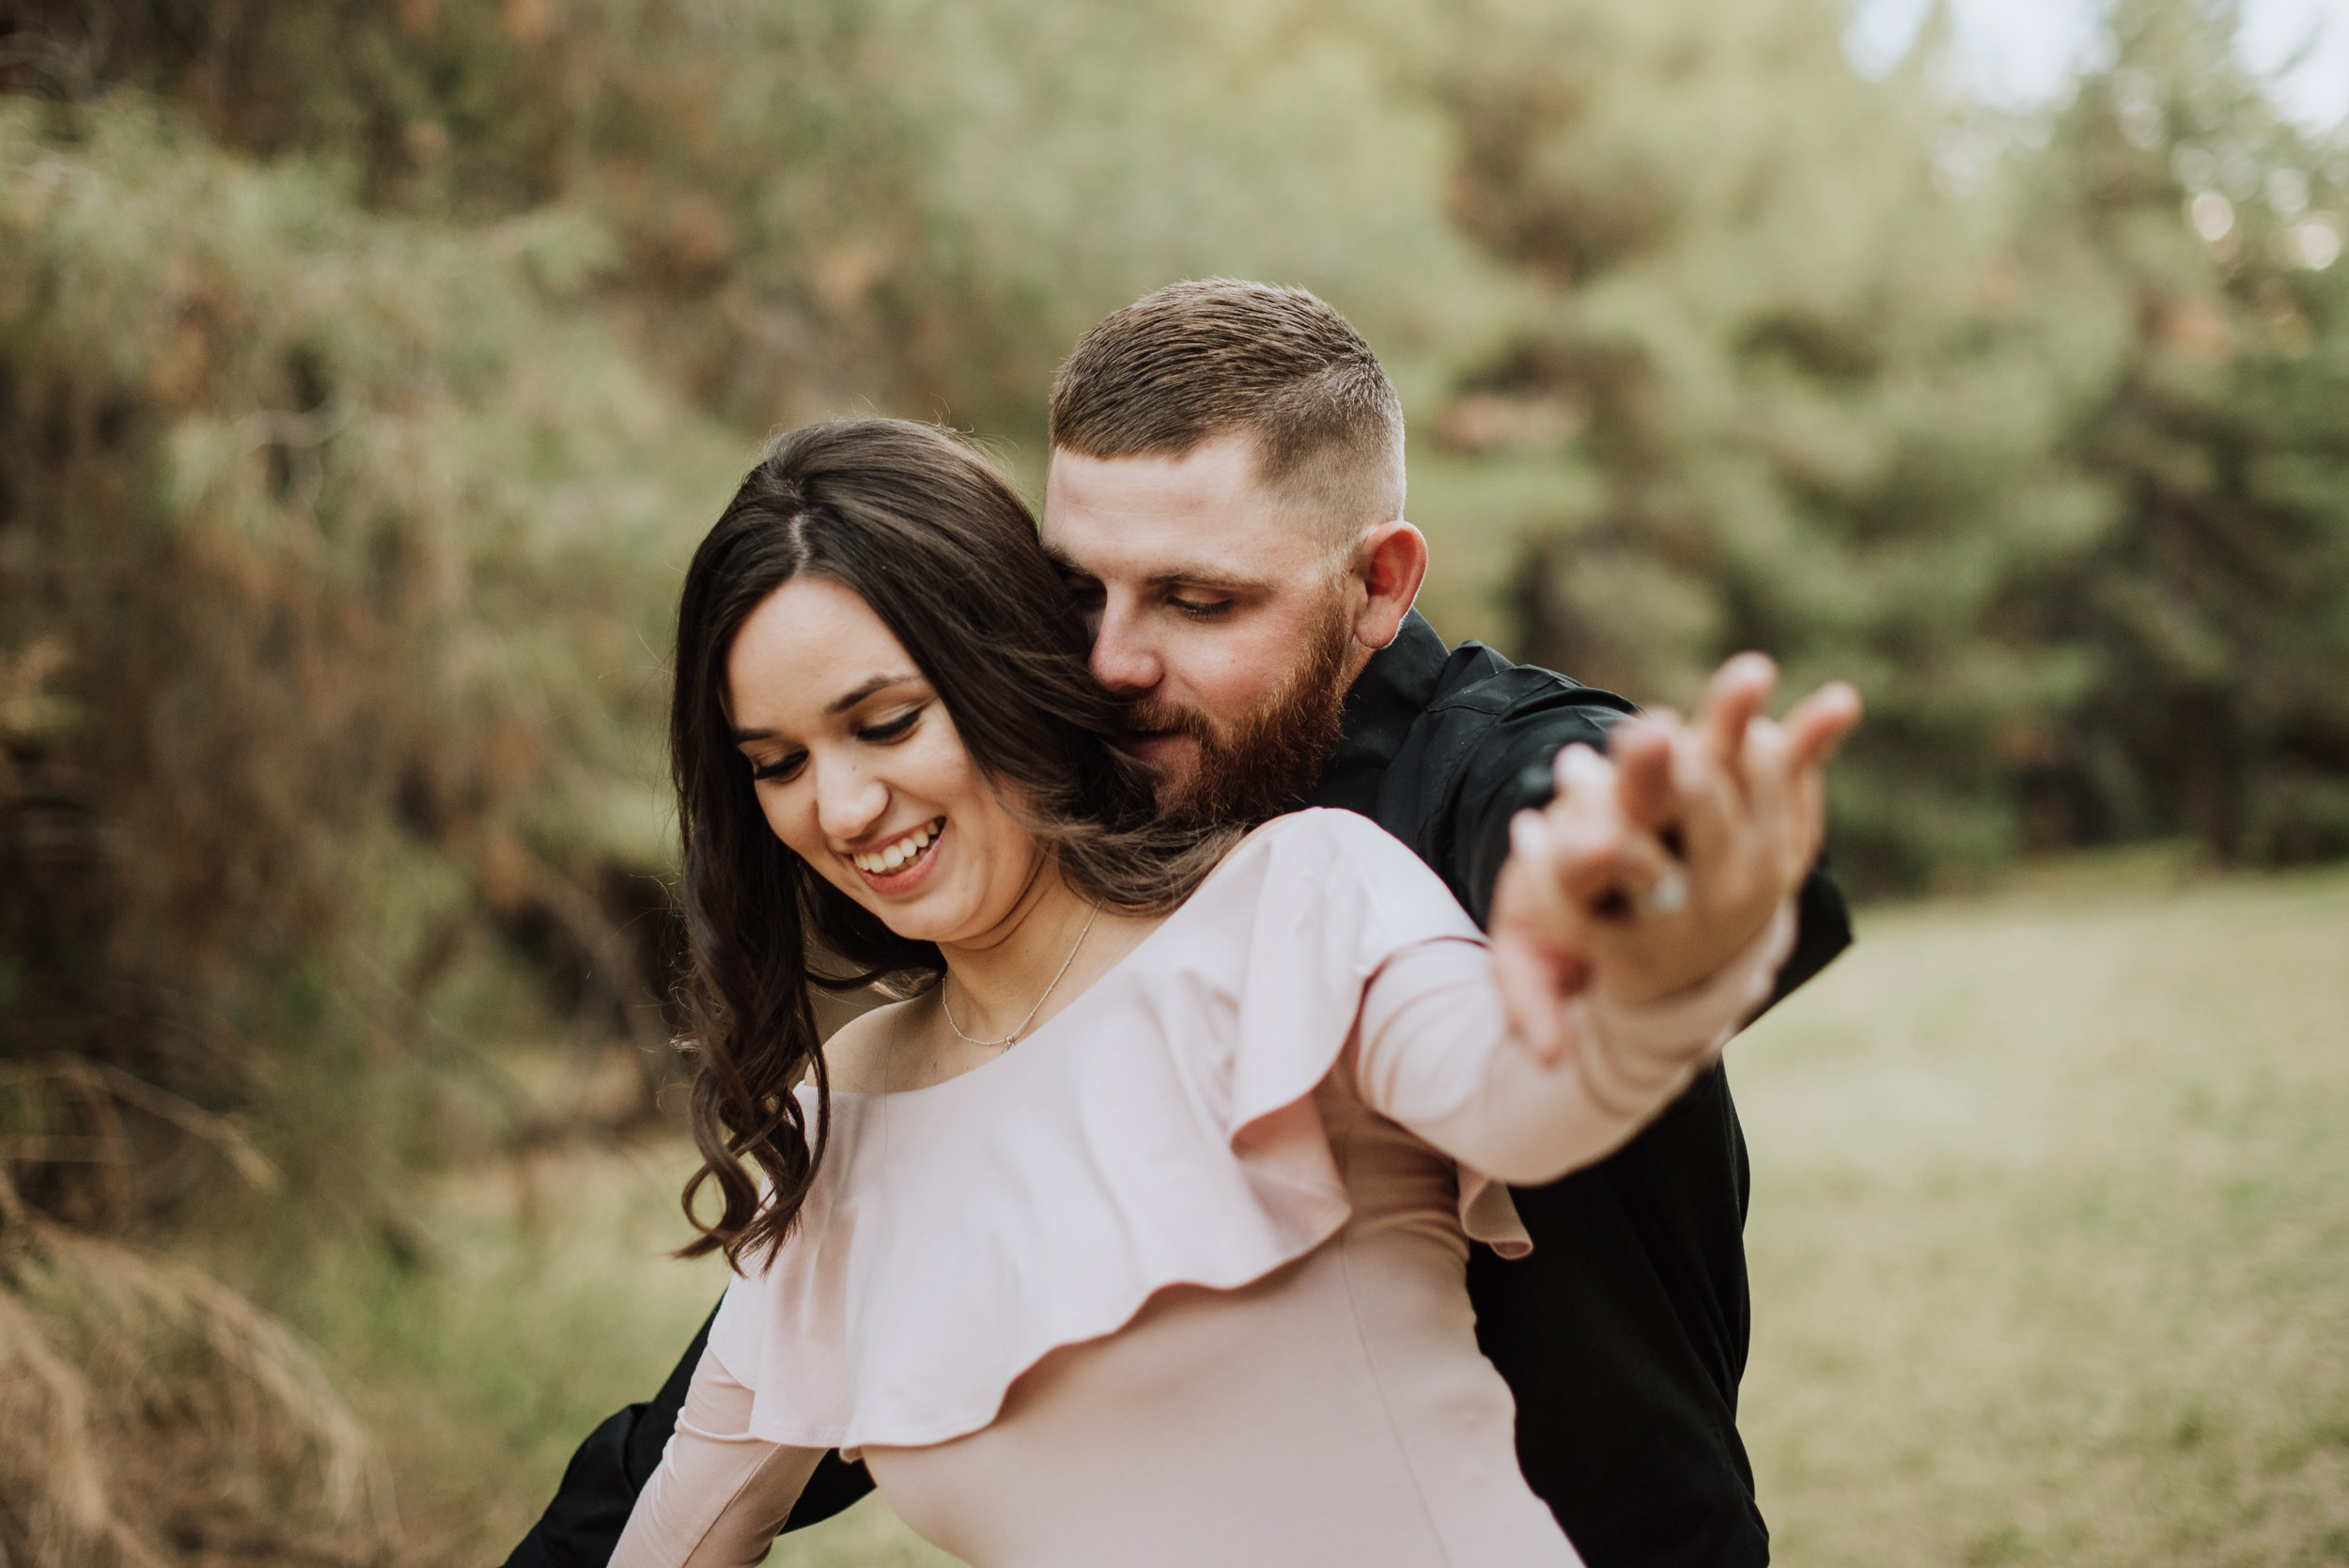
x,y
1433,1052
721,1495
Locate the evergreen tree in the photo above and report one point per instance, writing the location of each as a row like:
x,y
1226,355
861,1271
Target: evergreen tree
x,y
1822,419
2031,423
2216,610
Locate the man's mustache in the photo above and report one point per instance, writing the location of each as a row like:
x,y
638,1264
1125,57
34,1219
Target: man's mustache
x,y
1146,716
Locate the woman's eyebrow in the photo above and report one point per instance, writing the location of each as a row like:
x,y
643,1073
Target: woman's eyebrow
x,y
841,703
875,683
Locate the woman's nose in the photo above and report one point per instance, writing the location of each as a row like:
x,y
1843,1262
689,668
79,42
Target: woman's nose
x,y
1123,661
849,801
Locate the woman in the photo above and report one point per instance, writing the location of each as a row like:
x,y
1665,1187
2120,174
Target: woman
x,y
1135,1231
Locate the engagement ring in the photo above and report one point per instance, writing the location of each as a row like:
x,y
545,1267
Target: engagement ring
x,y
1668,893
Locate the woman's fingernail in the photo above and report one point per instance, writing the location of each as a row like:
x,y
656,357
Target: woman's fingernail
x,y
1528,835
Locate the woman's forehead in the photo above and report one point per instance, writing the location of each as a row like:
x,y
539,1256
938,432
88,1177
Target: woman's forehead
x,y
812,649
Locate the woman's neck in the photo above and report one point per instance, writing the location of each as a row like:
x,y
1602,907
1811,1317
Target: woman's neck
x,y
1012,980
996,979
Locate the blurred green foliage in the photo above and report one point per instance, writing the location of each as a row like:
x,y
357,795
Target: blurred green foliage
x,y
330,557
368,368
1960,405
331,562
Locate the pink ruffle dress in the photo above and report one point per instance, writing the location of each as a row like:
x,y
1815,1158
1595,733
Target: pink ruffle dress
x,y
1180,1279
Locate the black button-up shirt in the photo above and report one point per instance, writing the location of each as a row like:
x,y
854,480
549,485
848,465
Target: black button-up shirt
x,y
1622,1335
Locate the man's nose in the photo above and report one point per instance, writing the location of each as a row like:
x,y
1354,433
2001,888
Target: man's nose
x,y
849,801
1123,661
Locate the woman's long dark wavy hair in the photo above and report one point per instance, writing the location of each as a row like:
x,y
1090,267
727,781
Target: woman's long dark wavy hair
x,y
945,552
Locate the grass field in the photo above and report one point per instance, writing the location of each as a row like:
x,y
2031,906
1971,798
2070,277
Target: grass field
x,y
2051,1234
2050,1244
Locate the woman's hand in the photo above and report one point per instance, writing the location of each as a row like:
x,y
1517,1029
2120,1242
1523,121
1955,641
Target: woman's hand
x,y
1658,862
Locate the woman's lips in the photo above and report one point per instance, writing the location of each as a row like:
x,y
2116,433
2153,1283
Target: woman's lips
x,y
908,875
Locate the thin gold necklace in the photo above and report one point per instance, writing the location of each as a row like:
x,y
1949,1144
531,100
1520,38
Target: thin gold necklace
x,y
1013,1038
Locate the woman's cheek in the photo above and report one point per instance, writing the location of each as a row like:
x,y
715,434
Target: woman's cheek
x,y
792,821
771,807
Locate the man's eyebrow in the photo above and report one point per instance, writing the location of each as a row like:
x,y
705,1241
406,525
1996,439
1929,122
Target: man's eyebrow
x,y
1187,575
841,703
1181,574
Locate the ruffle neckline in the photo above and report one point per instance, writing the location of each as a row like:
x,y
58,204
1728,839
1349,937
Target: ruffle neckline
x,y
1158,1131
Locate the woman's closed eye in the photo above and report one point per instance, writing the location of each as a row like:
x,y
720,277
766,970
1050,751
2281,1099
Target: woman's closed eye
x,y
895,728
885,732
783,767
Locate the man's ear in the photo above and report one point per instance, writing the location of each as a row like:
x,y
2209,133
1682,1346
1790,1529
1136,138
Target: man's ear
x,y
1392,563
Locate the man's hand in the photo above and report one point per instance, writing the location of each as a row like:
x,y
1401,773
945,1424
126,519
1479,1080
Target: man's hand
x,y
1657,864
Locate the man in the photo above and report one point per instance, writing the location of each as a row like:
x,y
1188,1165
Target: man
x,y
1225,499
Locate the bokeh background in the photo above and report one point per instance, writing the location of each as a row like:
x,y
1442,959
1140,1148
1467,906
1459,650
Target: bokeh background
x,y
368,369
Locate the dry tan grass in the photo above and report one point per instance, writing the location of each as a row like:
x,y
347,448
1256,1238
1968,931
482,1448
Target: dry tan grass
x,y
151,1417
548,1302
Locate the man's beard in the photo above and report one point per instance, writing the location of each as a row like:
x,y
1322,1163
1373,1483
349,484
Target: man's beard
x,y
1270,759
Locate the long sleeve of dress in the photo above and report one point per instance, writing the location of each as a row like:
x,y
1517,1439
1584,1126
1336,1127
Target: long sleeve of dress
x,y
1434,1053
721,1495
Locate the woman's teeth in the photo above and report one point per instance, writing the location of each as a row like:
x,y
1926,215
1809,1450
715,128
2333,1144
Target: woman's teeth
x,y
884,860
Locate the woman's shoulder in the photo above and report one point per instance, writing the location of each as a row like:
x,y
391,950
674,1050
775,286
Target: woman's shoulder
x,y
1316,830
858,1056
1316,872
1336,846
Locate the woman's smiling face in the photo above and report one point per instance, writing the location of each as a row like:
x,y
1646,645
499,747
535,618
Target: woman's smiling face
x,y
861,773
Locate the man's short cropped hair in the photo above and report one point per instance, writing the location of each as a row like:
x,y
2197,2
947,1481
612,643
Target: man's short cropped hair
x,y
1197,361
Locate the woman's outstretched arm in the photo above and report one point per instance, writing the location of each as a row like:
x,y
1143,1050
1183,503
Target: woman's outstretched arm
x,y
1435,1053
721,1495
